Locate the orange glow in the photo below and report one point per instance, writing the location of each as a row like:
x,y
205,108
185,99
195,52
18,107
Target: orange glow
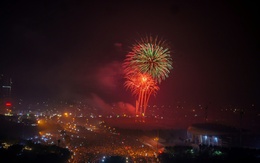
x,y
66,114
144,79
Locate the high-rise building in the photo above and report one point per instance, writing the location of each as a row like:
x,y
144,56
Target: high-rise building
x,y
6,86
5,94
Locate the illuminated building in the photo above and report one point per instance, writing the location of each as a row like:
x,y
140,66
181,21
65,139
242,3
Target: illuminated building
x,y
5,93
210,134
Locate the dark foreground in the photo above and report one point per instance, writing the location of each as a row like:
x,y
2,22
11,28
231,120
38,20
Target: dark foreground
x,y
209,154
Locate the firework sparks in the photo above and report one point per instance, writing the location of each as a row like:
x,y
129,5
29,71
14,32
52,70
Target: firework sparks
x,y
147,64
149,56
142,86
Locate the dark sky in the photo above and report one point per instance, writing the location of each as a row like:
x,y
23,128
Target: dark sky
x,y
68,48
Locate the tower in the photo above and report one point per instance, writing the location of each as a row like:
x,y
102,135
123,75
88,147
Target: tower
x,y
5,93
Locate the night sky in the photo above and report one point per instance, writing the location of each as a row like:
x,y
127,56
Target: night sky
x,y
75,49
